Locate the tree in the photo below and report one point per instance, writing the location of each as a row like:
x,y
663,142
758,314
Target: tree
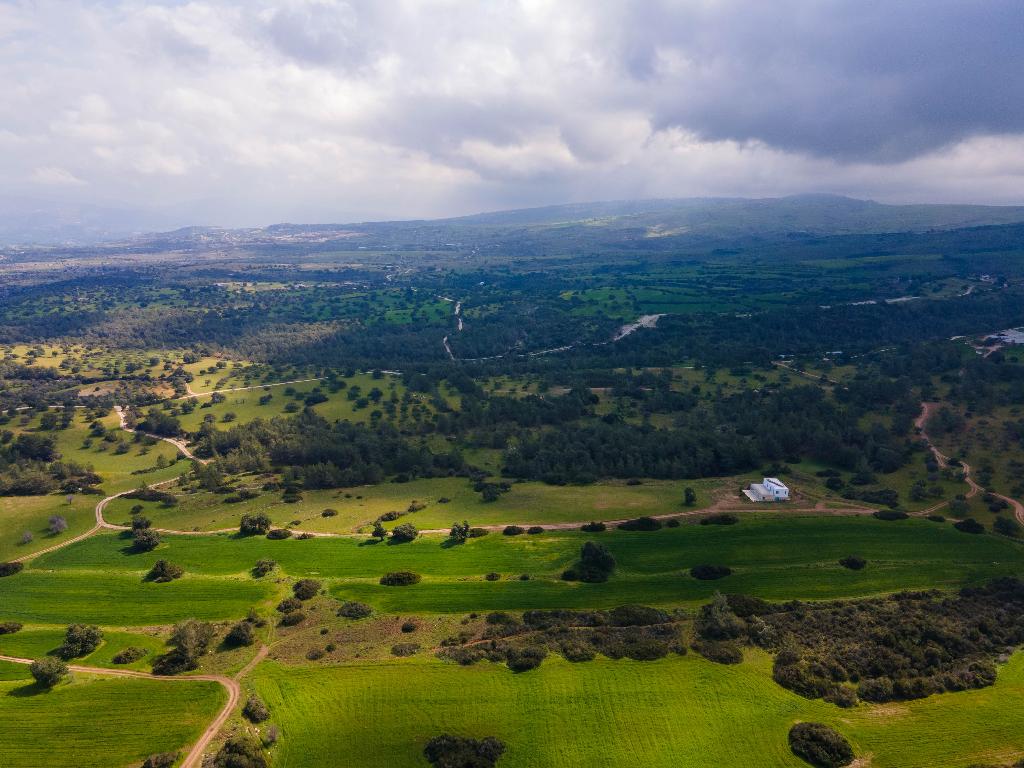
x,y
145,540
189,640
242,751
689,497
404,532
57,524
254,524
379,531
459,532
255,710
80,640
48,671
306,589
164,571
240,634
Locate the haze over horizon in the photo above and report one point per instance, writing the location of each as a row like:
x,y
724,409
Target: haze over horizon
x,y
245,114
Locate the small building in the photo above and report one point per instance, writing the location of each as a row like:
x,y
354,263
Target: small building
x,y
769,489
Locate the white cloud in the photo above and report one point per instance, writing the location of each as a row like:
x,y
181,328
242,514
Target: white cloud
x,y
254,111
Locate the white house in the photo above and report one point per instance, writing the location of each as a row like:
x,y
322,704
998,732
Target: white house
x,y
769,489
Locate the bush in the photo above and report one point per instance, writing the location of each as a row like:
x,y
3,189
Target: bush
x,y
1007,527
673,523
9,627
241,751
289,604
255,711
409,626
707,572
263,567
145,540
535,529
404,532
80,640
405,649
306,589
129,655
48,671
889,514
447,751
937,518
595,566
514,530
853,562
9,569
292,618
329,513
492,576
254,524
641,524
721,519
820,745
161,760
477,533
163,571
719,651
240,634
970,525
277,534
525,659
593,527
353,609
400,579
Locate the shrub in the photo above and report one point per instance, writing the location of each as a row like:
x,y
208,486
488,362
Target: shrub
x,y
163,571
595,566
593,527
641,524
404,532
254,524
80,640
524,659
1007,527
145,540
289,604
673,523
263,567
329,513
400,579
129,655
353,609
853,562
242,751
524,577
889,514
292,618
405,649
937,518
240,634
636,616
9,627
306,589
161,760
514,530
48,671
535,529
724,518
477,533
279,533
139,522
255,711
189,640
447,751
970,525
315,654
719,651
409,626
707,572
9,569
492,576
820,745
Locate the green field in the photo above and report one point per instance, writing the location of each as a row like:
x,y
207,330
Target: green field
x,y
680,712
35,642
776,558
99,722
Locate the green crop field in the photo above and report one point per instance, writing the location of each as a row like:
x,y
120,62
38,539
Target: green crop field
x,y
94,722
679,712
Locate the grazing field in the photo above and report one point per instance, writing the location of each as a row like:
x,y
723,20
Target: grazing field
x,y
525,504
35,642
680,712
123,600
773,557
94,722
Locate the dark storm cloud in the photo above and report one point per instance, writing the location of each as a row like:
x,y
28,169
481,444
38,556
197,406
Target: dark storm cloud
x,y
850,79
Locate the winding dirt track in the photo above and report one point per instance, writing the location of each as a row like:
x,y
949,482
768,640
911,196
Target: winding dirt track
x,y
926,411
194,758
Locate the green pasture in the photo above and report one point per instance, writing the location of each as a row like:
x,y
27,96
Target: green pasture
x,y
680,712
96,722
36,642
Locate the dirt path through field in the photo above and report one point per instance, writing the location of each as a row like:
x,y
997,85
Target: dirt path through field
x,y
194,758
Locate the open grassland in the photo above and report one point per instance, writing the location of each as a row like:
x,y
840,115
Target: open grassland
x,y
43,597
776,558
525,504
101,722
36,642
682,712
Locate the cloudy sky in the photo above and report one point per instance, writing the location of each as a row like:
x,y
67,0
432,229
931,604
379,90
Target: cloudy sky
x,y
242,112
